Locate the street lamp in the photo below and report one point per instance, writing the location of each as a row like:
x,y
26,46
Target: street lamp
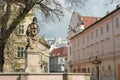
x,y
96,61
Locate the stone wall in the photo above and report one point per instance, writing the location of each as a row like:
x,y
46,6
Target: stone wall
x,y
58,76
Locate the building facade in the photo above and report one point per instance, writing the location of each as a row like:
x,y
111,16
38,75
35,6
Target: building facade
x,y
77,24
58,60
96,49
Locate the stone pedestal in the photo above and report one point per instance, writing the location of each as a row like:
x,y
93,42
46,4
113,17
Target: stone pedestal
x,y
32,62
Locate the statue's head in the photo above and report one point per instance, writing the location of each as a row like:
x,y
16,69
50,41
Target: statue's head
x,y
34,19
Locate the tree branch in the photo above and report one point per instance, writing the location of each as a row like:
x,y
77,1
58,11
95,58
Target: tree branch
x,y
51,9
18,19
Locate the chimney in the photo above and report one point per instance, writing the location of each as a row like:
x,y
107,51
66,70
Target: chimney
x,y
117,6
107,12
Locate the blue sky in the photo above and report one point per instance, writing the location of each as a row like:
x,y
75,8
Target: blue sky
x,y
59,29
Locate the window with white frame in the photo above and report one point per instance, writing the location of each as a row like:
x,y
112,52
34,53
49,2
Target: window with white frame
x,y
20,52
21,29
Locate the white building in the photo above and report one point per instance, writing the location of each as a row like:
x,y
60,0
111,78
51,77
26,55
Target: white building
x,y
57,43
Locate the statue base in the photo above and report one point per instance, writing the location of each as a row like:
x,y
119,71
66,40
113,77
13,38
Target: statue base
x,y
33,62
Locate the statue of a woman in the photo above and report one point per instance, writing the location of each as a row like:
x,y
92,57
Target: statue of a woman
x,y
32,31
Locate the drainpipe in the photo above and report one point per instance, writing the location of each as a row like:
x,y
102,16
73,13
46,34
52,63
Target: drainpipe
x,y
114,56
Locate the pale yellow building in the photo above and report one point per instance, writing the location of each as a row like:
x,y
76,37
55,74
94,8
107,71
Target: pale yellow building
x,y
96,49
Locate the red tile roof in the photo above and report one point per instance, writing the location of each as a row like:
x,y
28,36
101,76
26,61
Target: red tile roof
x,y
59,52
88,20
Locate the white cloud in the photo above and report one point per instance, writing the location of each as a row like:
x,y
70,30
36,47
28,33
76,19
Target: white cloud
x,y
96,11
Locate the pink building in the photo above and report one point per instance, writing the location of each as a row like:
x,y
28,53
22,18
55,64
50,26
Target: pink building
x,y
95,49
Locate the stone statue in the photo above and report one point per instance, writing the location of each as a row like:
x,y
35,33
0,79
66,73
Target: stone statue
x,y
32,31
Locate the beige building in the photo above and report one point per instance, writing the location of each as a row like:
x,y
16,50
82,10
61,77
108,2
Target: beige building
x,y
15,47
96,49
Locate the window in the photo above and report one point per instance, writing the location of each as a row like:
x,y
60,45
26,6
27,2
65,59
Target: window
x,y
78,24
109,67
96,46
74,45
101,30
118,42
92,69
21,29
84,70
61,60
87,38
83,40
88,70
78,42
96,32
74,70
107,27
20,52
117,22
91,35
70,51
79,55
